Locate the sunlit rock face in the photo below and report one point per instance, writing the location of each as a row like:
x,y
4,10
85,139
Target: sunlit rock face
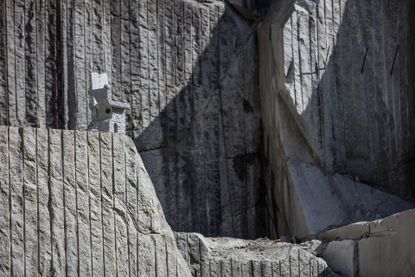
x,y
336,92
188,70
78,203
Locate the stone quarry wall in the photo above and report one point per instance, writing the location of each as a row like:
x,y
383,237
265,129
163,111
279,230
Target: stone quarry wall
x,y
336,92
78,203
188,70
346,71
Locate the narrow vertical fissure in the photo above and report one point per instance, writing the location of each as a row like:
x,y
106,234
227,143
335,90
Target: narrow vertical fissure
x,y
65,227
101,203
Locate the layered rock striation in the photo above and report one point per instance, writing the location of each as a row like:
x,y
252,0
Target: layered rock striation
x,y
80,204
337,103
188,69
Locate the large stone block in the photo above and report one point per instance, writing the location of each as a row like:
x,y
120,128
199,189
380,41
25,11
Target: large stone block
x,y
78,203
382,247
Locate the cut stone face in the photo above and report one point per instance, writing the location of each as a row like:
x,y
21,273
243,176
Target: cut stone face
x,y
80,203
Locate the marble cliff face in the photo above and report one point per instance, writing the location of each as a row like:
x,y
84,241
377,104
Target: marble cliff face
x,y
245,119
189,71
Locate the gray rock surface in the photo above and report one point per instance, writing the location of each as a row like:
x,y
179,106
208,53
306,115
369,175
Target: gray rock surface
x,y
78,203
383,247
188,69
236,257
315,202
343,257
336,94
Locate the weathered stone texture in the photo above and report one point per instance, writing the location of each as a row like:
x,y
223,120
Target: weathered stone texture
x,y
80,204
383,247
187,68
256,258
336,93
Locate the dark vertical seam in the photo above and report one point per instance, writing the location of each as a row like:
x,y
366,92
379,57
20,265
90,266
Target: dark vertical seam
x,y
318,88
317,266
23,32
102,209
165,55
148,63
86,82
35,15
140,59
121,53
10,205
126,205
364,61
177,269
89,204
15,68
394,60
293,59
50,210
171,202
23,152
137,253
155,257
130,96
137,181
65,228
223,130
113,204
37,201
76,206
44,60
299,60
200,256
6,66
158,56
74,58
167,255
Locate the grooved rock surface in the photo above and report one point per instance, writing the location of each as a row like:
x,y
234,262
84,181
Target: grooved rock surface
x,y
337,93
256,258
78,203
188,69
